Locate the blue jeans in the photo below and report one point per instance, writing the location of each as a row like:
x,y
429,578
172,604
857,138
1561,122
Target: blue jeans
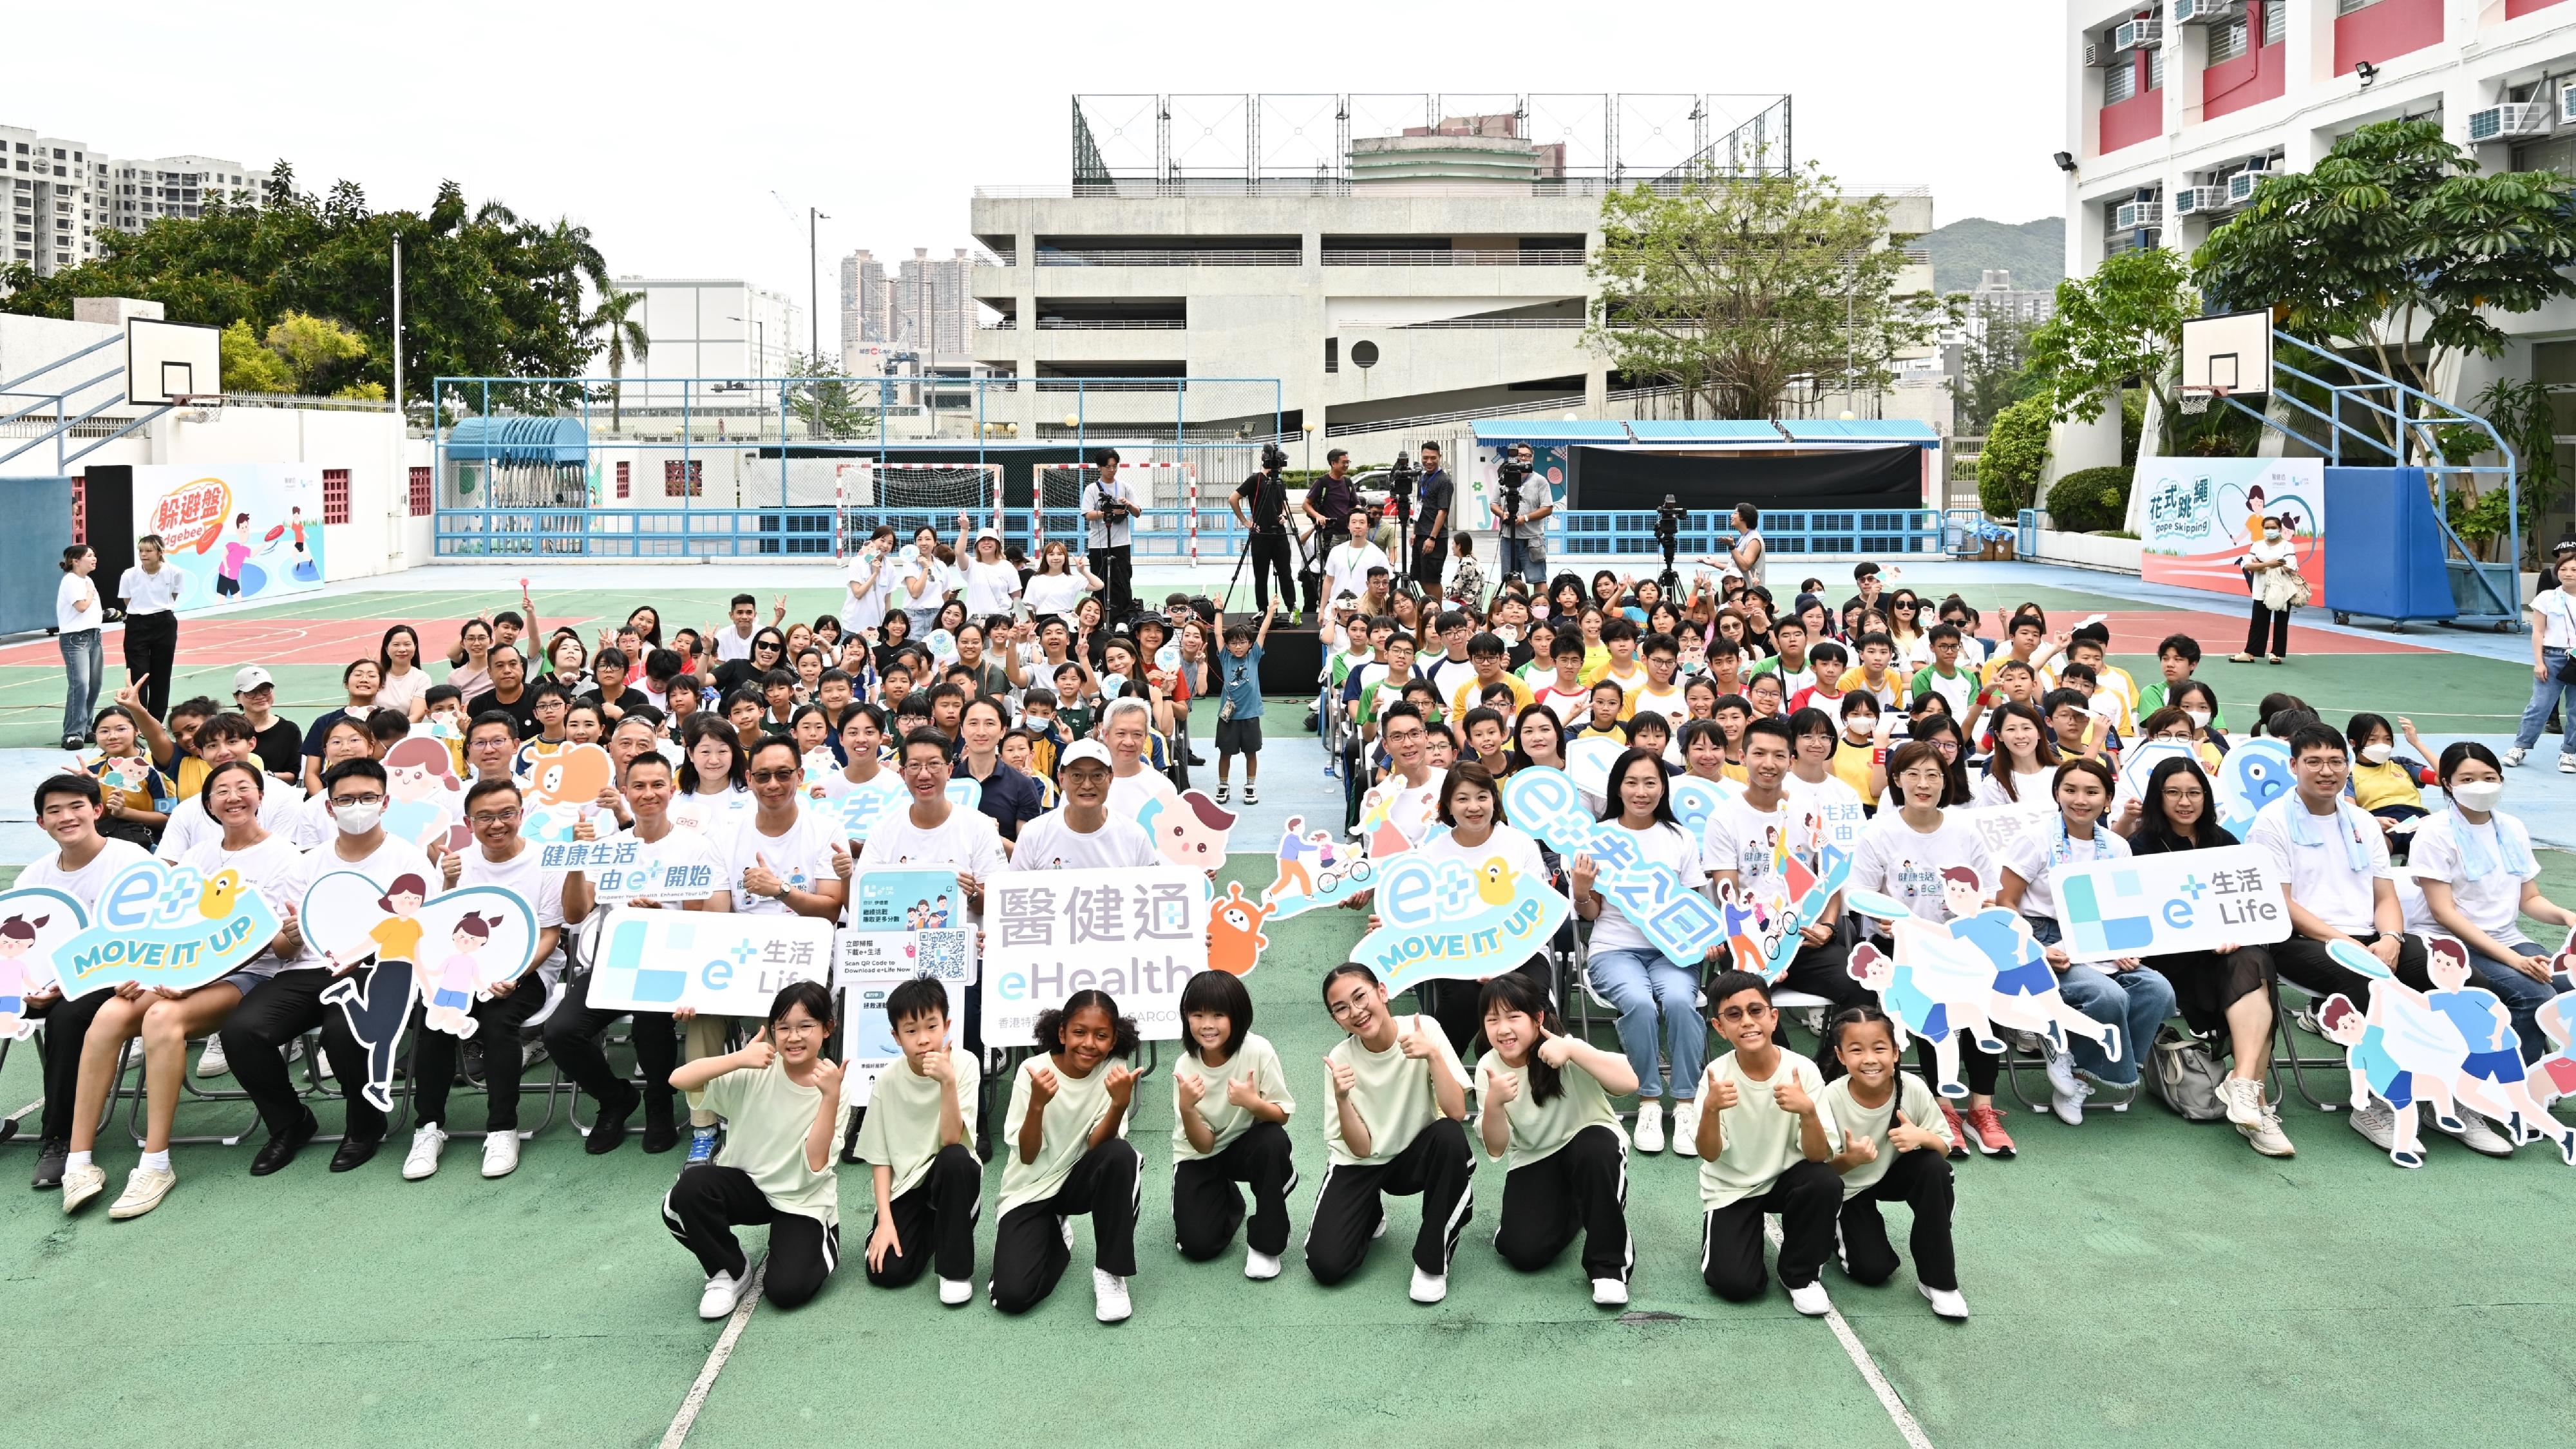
x,y
2544,694
2521,995
1520,558
82,661
1643,986
2137,1002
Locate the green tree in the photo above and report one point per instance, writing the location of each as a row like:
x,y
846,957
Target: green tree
x,y
1993,372
2396,239
249,365
1731,287
2016,454
829,405
620,337
320,354
2119,327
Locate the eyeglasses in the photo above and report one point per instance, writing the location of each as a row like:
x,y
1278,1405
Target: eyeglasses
x,y
1742,1013
367,799
495,817
774,777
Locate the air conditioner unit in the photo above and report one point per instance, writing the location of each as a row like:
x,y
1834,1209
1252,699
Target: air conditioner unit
x,y
2137,34
2240,187
2138,215
2202,12
2098,55
2512,118
2200,200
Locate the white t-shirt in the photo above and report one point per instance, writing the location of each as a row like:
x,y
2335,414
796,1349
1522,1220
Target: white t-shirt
x,y
391,860
520,876
1666,845
189,826
150,593
1130,794
1512,843
711,815
2493,902
990,587
2322,878
1347,567
1053,594
1744,839
1413,809
2034,853
280,873
1835,804
1048,843
866,608
1897,860
84,884
1985,789
966,841
731,644
2557,614
75,590
1101,532
800,857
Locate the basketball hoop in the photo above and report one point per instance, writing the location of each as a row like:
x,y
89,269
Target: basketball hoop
x,y
2196,400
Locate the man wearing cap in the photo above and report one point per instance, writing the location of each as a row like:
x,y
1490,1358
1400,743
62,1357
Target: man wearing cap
x,y
1346,568
278,741
1109,507
1081,834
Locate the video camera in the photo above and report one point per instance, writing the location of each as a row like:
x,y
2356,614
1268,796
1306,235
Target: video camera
x,y
1273,457
1668,537
1509,473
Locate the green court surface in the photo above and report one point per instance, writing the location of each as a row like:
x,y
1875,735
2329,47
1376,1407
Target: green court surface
x,y
2140,1280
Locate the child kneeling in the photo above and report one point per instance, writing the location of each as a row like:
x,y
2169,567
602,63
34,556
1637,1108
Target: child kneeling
x,y
784,1101
1069,1155
1545,1111
1763,1145
1230,1107
928,1184
1896,1148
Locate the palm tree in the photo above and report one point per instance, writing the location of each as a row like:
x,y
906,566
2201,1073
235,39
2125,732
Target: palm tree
x,y
620,334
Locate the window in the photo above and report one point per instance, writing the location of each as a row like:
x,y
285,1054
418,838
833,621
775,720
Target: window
x,y
1332,354
697,476
624,488
2342,7
2226,42
2156,69
335,495
422,504
2276,21
2119,82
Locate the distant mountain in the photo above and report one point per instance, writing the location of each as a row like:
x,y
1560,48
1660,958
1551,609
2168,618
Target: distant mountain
x,y
2034,252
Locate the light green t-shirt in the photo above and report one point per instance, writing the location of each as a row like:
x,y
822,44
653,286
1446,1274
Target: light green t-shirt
x,y
1847,1119
901,1130
1540,1129
1077,1107
1759,1141
1392,1092
766,1119
1258,1062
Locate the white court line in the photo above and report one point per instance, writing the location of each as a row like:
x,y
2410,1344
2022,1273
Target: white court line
x,y
687,1418
1901,1416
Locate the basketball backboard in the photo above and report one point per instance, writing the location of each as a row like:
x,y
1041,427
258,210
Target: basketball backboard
x,y
169,362
2229,355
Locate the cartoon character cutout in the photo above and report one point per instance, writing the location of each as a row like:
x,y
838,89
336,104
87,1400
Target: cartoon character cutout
x,y
459,977
237,550
1235,937
2252,775
2555,1074
376,1007
2492,1077
18,974
2453,1046
425,794
1195,836
564,781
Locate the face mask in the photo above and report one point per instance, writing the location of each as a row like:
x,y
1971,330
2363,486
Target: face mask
x,y
2271,535
2478,795
2377,754
356,819
2199,718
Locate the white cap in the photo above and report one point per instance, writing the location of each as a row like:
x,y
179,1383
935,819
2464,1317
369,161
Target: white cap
x,y
251,678
994,534
1085,750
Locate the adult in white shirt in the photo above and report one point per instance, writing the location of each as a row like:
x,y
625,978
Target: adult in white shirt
x,y
1346,568
735,643
2271,568
77,618
1652,993
2553,639
167,1020
870,583
2333,855
1081,834
496,857
1744,835
925,582
573,1029
221,740
293,1002
1411,789
992,586
934,831
1059,583
1135,786
1109,511
1471,805
68,808
151,590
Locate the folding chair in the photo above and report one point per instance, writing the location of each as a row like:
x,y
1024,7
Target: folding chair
x,y
2023,1053
2288,1054
552,1087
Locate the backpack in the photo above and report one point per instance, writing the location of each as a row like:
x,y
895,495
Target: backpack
x,y
2185,1074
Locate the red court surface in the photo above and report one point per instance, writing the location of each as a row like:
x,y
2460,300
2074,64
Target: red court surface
x,y
2137,631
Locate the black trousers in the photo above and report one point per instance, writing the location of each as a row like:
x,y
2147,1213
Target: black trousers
x,y
1115,568
66,1027
1453,1003
2263,619
708,1202
1920,1179
275,1013
434,1053
1806,1197
1823,971
572,1038
1436,1164
935,1222
2304,963
2206,984
1584,1185
1427,566
1272,555
1207,1207
1029,1251
151,648
1978,1068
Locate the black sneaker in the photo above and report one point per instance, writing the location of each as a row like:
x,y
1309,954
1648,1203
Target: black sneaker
x,y
661,1133
354,1153
51,1154
281,1148
609,1130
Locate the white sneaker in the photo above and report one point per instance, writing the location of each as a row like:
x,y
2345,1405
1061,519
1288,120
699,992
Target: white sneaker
x,y
1649,1133
2065,1094
1109,1297
2567,764
144,1189
210,1062
500,1153
2253,1118
2515,755
1946,1303
1609,1293
1686,1128
1429,1287
2477,1134
1259,1266
721,1296
956,1292
422,1160
1812,1300
80,1184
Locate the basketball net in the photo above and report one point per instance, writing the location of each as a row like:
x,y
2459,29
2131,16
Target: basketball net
x,y
2196,401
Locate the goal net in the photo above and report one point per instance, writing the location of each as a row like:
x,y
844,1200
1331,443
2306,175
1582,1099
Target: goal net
x,y
908,495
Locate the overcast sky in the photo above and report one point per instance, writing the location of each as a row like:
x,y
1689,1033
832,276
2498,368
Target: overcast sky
x,y
667,128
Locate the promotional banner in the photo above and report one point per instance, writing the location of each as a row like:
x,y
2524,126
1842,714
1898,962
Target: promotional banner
x,y
34,924
2156,905
2000,825
1480,493
1315,870
721,964
857,809
162,925
234,531
1139,935
868,1045
1680,921
627,869
906,922
1447,920
2203,513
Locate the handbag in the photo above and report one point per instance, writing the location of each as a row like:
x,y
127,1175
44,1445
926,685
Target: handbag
x,y
2185,1073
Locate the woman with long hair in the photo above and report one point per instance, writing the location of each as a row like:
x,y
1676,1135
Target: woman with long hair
x,y
400,681
1655,996
1061,580
1471,805
2023,756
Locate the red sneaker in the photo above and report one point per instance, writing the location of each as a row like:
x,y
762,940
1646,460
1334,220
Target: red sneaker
x,y
1986,1131
1958,1130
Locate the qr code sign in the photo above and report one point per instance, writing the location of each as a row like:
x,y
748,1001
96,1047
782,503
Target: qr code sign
x,y
948,955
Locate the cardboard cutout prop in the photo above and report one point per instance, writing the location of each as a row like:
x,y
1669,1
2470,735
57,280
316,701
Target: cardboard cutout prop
x,y
628,869
1314,870
1139,935
562,788
160,925
2252,775
2141,760
34,924
1235,937
1695,800
425,802
856,810
1999,826
716,963
1588,762
1193,833
1449,920
448,949
2157,905
2453,1046
1762,930
1983,965
1681,922
2554,1076
906,921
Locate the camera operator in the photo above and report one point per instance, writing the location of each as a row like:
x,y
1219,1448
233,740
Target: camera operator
x,y
1110,507
1330,499
1520,516
1265,494
1434,493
